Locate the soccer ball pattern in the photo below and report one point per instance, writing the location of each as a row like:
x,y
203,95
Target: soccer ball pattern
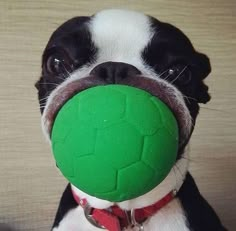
x,y
115,142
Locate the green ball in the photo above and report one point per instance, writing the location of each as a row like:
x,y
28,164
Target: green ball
x,y
115,142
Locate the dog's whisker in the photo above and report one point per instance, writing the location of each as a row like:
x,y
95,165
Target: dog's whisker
x,y
189,98
45,98
54,84
67,71
179,74
162,73
167,77
42,105
64,77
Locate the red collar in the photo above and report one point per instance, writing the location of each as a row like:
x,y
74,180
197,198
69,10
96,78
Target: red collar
x,y
116,219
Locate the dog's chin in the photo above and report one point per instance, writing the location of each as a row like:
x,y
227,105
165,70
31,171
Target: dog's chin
x,y
172,182
157,87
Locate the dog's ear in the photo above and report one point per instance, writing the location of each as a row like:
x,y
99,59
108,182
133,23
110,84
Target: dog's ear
x,y
202,68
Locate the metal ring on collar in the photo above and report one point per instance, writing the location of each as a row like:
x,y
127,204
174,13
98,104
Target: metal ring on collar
x,y
89,217
135,223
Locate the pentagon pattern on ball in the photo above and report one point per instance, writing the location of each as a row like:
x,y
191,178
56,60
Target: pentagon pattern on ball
x,y
125,188
125,154
96,167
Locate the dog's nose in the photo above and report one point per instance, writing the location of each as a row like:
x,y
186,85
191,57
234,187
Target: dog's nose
x,y
114,72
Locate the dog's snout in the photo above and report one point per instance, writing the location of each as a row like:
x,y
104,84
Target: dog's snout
x,y
114,72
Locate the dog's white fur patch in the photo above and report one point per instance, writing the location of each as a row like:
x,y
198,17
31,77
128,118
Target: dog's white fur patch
x,y
120,35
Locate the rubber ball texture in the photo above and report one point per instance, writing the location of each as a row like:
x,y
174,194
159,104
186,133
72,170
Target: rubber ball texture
x,y
115,142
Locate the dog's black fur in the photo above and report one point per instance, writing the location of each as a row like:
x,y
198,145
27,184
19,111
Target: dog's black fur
x,y
168,49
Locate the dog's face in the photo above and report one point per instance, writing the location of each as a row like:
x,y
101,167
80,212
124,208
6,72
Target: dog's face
x,y
123,47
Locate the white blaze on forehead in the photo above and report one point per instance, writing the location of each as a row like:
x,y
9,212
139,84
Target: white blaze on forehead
x,y
120,35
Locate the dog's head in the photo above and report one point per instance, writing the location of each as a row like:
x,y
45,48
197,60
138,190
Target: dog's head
x,y
124,47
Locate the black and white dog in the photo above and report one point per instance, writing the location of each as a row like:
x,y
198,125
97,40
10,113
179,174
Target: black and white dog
x,y
126,47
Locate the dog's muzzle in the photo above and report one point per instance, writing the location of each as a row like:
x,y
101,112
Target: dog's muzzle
x,y
124,74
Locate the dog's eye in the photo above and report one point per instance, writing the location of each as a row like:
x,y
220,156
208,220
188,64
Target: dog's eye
x,y
180,74
56,64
